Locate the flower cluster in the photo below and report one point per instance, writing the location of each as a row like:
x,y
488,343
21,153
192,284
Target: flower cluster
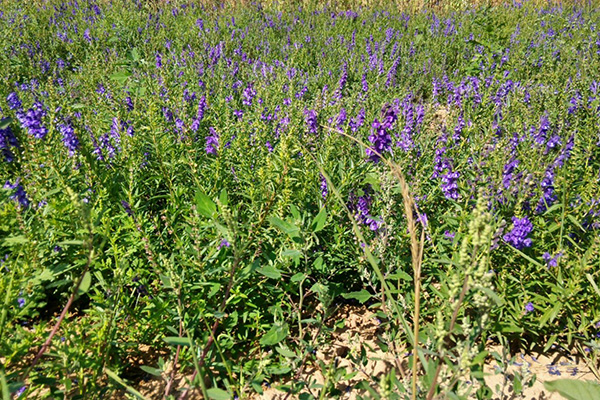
x,y
380,138
18,194
7,140
450,185
212,142
31,120
311,121
69,138
517,237
359,205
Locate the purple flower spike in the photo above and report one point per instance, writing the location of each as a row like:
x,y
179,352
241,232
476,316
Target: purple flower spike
x,y
517,237
212,142
311,121
69,138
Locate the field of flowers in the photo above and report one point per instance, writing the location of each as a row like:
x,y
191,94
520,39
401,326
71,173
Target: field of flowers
x,y
189,193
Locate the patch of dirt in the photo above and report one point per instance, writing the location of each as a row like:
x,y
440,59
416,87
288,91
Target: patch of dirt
x,y
360,333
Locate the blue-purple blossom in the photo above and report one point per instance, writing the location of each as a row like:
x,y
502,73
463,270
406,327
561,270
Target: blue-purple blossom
x,y
32,120
517,237
311,121
548,197
552,261
360,207
358,121
340,120
18,194
212,142
380,139
324,189
450,185
69,138
14,103
529,307
19,392
7,140
127,208
248,95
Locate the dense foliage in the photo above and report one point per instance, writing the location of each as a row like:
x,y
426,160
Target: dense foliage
x,y
187,175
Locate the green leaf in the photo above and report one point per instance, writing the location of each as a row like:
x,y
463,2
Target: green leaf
x,y
292,253
285,352
591,279
121,382
319,221
12,240
401,275
507,328
492,295
270,272
223,198
166,281
120,76
5,122
4,387
178,341
275,335
572,389
290,229
151,371
70,243
298,277
361,296
217,394
205,205
85,283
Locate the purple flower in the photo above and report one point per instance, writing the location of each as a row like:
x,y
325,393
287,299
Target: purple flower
x,y
212,142
14,103
19,392
360,207
311,121
19,194
21,302
552,261
248,95
7,140
127,208
69,138
341,118
32,120
380,139
224,243
529,307
358,121
508,173
324,190
449,185
517,237
548,197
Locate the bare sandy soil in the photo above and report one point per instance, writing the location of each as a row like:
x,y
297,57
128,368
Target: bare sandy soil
x,y
361,328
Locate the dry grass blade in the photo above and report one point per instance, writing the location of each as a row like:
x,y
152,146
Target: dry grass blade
x,y
416,245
